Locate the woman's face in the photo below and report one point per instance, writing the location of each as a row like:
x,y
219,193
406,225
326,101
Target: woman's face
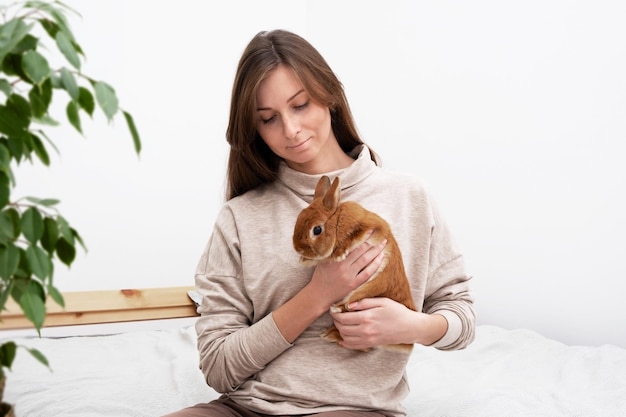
x,y
295,127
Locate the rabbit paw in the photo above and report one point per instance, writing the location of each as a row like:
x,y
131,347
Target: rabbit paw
x,y
336,309
331,335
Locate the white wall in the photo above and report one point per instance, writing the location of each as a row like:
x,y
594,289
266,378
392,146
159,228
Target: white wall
x,y
516,112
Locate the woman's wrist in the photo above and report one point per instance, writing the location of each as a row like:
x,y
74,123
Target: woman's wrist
x,y
293,317
431,328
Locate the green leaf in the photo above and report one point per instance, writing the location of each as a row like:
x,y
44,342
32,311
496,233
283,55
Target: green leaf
x,y
40,97
5,87
12,122
11,34
72,115
106,98
29,42
56,10
56,295
133,131
4,296
65,230
40,150
5,157
32,225
66,47
42,133
56,81
69,83
50,27
46,120
47,202
40,264
79,238
6,228
65,251
7,354
9,260
16,146
35,66
39,356
33,304
21,106
86,100
50,235
5,189
27,145
10,225
23,270
12,65
20,286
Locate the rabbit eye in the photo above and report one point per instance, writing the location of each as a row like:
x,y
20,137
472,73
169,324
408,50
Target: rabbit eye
x,y
317,230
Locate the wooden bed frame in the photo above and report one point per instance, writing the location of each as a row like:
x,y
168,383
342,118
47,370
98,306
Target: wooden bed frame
x,y
109,306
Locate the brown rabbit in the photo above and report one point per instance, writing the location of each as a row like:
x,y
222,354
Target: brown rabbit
x,y
328,229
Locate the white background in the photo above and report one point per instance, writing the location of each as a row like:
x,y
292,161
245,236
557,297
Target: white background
x,y
514,113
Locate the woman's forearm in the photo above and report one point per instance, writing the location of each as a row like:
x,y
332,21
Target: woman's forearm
x,y
293,317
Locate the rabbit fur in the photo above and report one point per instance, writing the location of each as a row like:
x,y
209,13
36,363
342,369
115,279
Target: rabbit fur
x,y
328,229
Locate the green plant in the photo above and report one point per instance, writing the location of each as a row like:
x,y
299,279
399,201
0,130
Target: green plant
x,y
33,233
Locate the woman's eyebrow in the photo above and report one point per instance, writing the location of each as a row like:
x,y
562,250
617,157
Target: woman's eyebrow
x,y
288,100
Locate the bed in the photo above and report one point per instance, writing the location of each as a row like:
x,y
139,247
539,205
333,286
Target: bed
x,y
151,370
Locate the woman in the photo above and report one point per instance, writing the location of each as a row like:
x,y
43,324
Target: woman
x,y
262,312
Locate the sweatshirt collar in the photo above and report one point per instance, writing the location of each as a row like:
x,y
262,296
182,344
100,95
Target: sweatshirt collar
x,y
304,184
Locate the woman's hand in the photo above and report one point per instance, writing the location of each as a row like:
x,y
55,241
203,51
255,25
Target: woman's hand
x,y
334,280
374,322
331,282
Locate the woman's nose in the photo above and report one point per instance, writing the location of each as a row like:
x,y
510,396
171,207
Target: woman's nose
x,y
291,126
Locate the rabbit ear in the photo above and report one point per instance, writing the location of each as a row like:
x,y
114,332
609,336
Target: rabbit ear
x,y
331,198
322,185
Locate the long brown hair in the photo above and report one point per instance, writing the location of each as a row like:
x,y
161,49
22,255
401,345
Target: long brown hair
x,y
251,162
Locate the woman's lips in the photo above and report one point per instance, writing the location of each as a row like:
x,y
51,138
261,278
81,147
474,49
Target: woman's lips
x,y
299,145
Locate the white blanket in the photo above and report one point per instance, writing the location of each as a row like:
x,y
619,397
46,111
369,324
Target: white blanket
x,y
504,373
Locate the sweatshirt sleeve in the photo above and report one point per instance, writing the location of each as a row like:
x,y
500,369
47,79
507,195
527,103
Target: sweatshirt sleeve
x,y
448,292
232,344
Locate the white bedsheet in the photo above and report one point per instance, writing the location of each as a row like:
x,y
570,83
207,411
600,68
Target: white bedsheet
x,y
504,373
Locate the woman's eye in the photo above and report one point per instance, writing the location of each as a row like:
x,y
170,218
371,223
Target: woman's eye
x,y
266,121
302,106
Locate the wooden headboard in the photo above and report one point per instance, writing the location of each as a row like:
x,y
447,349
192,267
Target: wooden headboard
x,y
109,306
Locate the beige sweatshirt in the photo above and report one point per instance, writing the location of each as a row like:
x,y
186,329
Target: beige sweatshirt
x,y
249,268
